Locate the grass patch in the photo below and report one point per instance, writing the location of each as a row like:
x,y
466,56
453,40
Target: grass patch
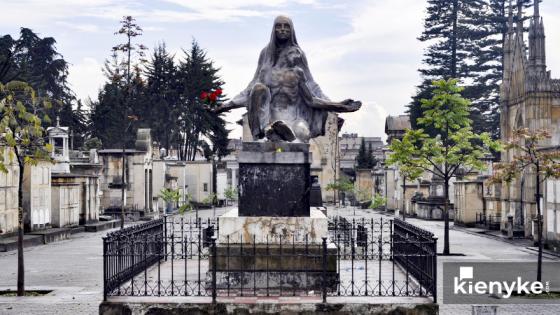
x,y
8,293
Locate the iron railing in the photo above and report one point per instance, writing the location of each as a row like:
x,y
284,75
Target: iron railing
x,y
180,257
128,252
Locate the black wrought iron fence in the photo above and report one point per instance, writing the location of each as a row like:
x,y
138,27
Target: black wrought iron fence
x,y
415,250
359,258
128,252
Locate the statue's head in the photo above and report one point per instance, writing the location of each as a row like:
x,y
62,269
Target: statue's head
x,y
283,29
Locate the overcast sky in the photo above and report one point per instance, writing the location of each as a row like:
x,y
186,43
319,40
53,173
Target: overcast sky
x,y
360,49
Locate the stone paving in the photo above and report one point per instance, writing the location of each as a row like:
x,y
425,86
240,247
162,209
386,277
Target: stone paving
x,y
73,269
474,247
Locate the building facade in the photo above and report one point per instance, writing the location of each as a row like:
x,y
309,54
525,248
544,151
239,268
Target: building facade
x,y
530,98
9,183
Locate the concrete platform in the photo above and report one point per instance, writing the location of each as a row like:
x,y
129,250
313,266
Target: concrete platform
x,y
10,243
53,234
101,226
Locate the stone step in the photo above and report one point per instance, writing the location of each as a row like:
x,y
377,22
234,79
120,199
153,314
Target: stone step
x,y
10,243
101,226
53,234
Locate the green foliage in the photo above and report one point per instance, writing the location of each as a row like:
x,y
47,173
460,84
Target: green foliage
x,y
35,60
170,195
198,74
230,193
377,201
465,40
20,128
365,159
528,156
123,95
343,185
452,146
187,206
455,145
166,99
211,199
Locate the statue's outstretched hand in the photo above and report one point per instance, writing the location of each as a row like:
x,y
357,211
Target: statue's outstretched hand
x,y
352,105
224,107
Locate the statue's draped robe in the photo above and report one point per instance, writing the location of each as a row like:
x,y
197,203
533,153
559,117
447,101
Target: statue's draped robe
x,y
315,118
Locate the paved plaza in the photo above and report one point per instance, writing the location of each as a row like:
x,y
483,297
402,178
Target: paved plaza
x,y
73,268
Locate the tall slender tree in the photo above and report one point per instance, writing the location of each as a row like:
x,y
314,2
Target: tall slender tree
x,y
22,134
455,146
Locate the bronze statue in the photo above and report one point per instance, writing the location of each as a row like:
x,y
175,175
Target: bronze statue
x,y
283,101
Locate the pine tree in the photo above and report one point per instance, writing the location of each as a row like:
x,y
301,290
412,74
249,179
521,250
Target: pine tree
x,y
487,55
466,39
364,159
163,94
197,74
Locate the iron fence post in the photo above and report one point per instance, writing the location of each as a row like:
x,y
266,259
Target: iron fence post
x,y
214,266
434,269
324,282
104,269
165,236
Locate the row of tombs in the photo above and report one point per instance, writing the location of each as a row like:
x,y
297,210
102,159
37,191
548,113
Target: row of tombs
x,y
84,187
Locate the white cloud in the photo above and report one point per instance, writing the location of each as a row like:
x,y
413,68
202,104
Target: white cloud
x,y
87,28
86,77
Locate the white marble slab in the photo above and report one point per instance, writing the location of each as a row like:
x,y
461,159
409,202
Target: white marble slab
x,y
288,229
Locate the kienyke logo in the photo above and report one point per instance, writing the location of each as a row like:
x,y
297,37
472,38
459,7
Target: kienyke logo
x,y
465,285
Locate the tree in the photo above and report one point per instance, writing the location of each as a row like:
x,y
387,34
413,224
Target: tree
x,y
408,173
453,147
198,75
35,60
163,91
448,28
21,132
465,40
487,63
130,29
342,185
528,155
230,193
365,159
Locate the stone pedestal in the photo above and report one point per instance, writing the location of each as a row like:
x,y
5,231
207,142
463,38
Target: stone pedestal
x,y
274,179
274,240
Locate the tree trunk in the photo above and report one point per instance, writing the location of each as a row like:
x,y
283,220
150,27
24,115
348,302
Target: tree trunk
x,y
20,261
539,225
404,198
123,183
446,218
454,40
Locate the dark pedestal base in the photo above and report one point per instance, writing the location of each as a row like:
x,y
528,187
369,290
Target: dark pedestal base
x,y
286,267
274,180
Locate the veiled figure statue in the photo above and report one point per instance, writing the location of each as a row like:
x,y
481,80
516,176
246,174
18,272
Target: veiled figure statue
x,y
283,101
